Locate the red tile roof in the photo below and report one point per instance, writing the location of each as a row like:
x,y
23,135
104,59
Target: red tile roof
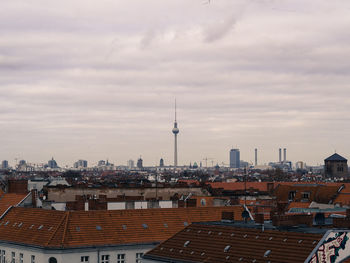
x,y
218,243
7,200
56,229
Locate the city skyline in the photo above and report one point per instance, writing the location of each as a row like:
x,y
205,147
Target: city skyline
x,y
96,80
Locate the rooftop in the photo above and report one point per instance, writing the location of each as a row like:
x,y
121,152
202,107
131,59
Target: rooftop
x,y
335,157
63,229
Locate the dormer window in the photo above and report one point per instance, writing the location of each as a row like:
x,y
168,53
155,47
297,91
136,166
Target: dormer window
x,y
305,195
291,195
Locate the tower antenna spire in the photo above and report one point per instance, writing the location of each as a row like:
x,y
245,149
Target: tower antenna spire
x,y
175,132
175,109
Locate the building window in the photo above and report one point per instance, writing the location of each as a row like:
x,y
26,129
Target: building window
x,y
105,259
121,258
84,259
291,195
32,259
52,260
20,257
3,256
139,257
13,257
340,169
305,195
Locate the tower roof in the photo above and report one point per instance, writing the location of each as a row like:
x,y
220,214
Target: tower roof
x,y
336,157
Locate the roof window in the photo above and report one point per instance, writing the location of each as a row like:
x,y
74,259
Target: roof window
x,y
14,224
20,224
31,226
161,248
50,228
40,227
228,257
270,238
98,227
240,259
314,242
165,225
180,251
145,226
254,260
220,233
6,223
232,234
209,232
185,223
267,253
227,248
284,240
256,237
187,243
245,235
171,249
199,231
300,241
77,229
192,252
202,254
124,227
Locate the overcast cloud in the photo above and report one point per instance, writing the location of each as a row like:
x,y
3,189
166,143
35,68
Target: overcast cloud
x,y
97,79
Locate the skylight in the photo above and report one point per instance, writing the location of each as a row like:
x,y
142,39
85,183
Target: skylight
x,y
6,223
145,225
267,253
40,227
124,227
20,224
187,243
220,233
227,248
165,225
185,223
77,228
202,254
98,227
228,257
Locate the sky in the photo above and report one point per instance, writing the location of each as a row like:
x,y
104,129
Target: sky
x,y
94,80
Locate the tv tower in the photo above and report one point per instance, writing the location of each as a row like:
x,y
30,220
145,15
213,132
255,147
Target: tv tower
x,y
175,131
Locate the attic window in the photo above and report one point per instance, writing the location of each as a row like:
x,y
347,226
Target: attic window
x,y
209,232
232,234
98,227
240,259
220,233
227,248
267,253
20,224
77,229
161,248
228,257
245,235
188,230
187,243
314,242
199,231
192,252
202,254
171,249
256,237
284,240
124,227
270,238
6,223
180,251
40,227
165,225
14,224
145,226
254,260
50,228
185,223
300,241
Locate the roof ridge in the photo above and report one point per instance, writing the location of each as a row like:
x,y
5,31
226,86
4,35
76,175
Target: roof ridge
x,y
65,229
58,226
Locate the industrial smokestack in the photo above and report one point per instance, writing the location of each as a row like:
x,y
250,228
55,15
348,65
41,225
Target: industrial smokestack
x,y
284,155
280,155
256,157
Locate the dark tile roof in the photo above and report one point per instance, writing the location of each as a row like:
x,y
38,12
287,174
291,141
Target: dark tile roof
x,y
335,157
213,243
69,229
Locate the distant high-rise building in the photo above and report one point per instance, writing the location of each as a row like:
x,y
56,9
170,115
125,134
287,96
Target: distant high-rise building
x,y
81,164
175,132
256,157
161,162
130,164
101,163
139,163
4,164
52,164
280,155
234,158
22,163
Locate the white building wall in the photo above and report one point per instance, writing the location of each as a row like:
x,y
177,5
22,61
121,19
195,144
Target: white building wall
x,y
141,205
59,206
166,204
115,205
73,255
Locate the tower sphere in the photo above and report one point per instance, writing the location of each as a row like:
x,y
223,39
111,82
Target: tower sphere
x,y
176,130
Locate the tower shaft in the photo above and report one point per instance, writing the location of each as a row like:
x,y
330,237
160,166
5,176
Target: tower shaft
x,y
175,151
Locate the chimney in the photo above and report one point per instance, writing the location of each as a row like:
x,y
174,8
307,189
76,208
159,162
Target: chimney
x,y
280,155
256,157
284,155
34,193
